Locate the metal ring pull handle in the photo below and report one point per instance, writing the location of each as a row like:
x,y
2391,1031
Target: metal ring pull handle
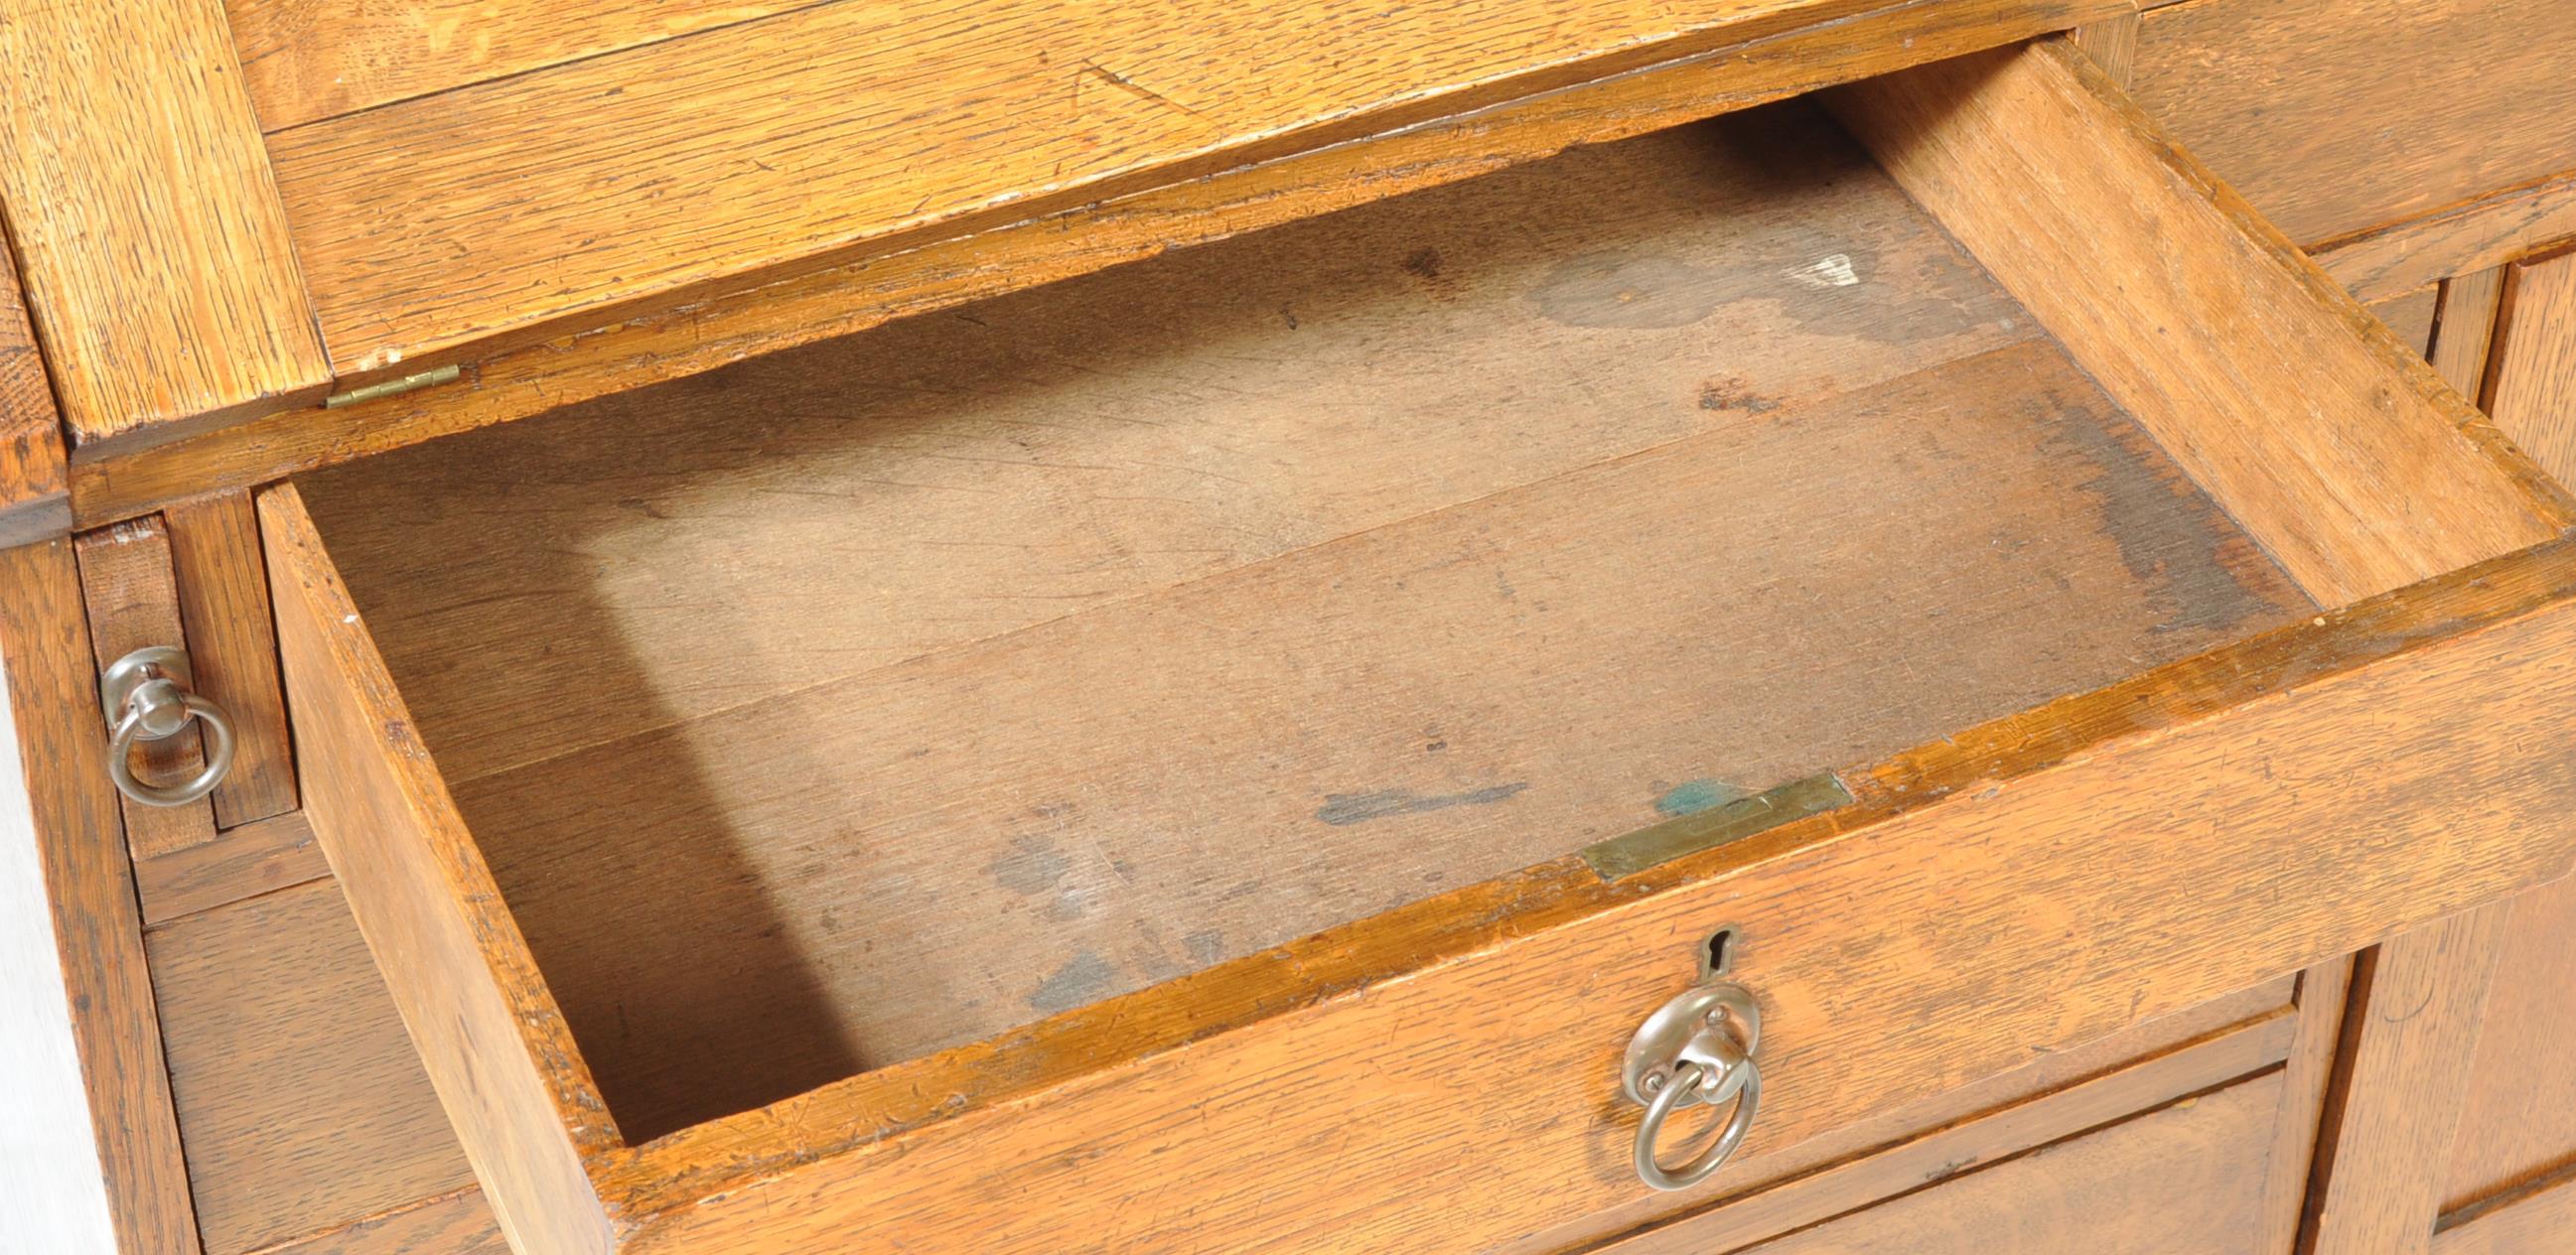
x,y
147,699
1697,1050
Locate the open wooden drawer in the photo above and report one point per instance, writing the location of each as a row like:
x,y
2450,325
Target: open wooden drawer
x,y
1223,752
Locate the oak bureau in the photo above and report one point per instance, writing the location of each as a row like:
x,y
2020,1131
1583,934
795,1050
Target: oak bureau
x,y
1750,625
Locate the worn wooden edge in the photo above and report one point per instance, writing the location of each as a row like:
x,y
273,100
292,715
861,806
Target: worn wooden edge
x,y
2207,1062
2387,476
2490,231
150,232
2201,697
489,1033
241,863
62,749
751,316
35,480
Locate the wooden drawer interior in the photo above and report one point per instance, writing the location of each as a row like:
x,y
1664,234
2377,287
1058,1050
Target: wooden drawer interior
x,y
900,691
1132,646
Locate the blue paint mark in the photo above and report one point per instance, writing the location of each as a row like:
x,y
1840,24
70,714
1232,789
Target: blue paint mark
x,y
1693,796
1352,808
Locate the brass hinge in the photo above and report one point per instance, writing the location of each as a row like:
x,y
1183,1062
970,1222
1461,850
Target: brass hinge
x,y
392,387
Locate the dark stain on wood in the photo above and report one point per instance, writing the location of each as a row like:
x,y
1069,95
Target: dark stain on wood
x,y
1355,808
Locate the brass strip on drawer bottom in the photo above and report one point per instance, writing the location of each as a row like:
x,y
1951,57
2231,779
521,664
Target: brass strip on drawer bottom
x,y
1636,851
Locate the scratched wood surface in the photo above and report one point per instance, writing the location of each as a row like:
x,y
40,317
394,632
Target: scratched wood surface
x,y
647,174
1536,414
2336,117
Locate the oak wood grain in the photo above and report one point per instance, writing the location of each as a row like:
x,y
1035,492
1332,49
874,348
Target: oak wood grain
x,y
568,195
2112,42
133,596
44,637
2518,1100
747,319
35,489
2464,339
148,228
223,608
1011,463
2530,1222
1542,939
303,62
2098,1076
2384,1147
2410,317
51,1172
258,857
2184,1177
2480,235
2040,166
303,1103
486,1029
1990,1142
453,1224
1477,712
2336,117
2531,387
689,1189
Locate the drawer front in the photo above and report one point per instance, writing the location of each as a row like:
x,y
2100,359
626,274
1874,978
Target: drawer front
x,y
1897,953
2022,886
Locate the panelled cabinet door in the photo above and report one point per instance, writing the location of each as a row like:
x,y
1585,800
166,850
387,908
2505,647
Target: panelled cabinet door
x,y
2185,1179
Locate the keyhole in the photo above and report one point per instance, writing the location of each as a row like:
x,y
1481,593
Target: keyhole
x,y
1717,956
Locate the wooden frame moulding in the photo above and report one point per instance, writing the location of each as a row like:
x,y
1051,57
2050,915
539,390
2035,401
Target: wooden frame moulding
x,y
2356,467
